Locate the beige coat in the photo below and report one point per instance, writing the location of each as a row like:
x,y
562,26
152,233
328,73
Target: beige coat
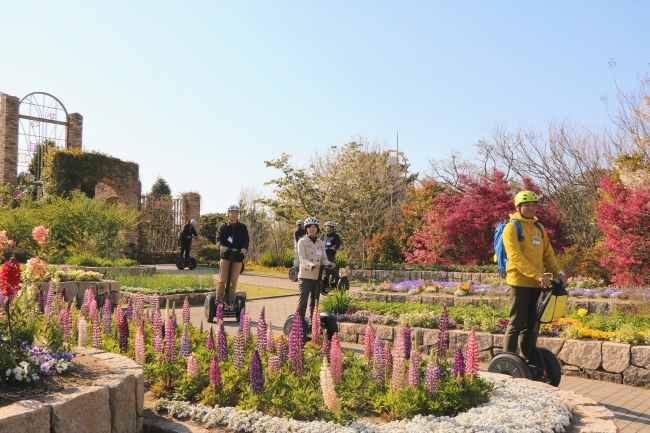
x,y
310,255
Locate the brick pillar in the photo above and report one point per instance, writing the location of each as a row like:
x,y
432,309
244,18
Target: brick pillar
x,y
75,130
193,200
8,139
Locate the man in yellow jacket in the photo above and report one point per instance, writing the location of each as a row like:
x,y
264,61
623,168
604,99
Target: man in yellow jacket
x,y
527,260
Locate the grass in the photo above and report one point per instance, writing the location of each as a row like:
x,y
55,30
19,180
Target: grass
x,y
165,283
254,268
256,292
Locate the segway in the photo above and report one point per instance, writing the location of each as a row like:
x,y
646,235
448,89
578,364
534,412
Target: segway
x,y
229,310
542,365
293,273
327,320
190,263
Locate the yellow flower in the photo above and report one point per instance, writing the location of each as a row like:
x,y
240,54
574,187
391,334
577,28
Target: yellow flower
x,y
582,312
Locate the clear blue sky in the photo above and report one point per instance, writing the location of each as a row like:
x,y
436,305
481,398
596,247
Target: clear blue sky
x,y
201,93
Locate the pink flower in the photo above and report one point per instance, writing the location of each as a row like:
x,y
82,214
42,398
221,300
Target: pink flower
x,y
36,267
316,328
139,348
472,355
336,357
10,277
215,372
186,311
40,233
368,340
192,366
261,332
4,240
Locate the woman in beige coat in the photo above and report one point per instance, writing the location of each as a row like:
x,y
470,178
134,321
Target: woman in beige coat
x,y
311,252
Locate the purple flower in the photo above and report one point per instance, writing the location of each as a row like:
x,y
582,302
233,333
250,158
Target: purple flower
x,y
261,332
155,303
296,343
443,336
209,344
157,328
432,375
326,348
124,335
107,316
256,373
246,325
378,360
170,341
414,368
219,315
186,349
128,314
459,364
41,301
406,340
222,344
239,346
96,332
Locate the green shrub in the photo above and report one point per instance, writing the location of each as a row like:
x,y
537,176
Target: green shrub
x,y
287,260
341,260
267,260
88,260
337,302
209,254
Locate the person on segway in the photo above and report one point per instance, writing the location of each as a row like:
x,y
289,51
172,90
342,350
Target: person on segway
x,y
312,255
332,243
231,235
297,235
525,277
185,240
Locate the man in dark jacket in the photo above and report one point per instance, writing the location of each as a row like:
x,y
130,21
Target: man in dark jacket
x,y
185,239
332,244
299,233
231,234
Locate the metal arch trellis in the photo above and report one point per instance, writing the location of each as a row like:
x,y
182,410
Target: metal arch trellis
x,y
162,222
43,121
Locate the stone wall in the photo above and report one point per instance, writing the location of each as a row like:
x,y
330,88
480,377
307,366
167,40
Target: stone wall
x,y
123,270
74,291
193,201
8,139
397,276
75,131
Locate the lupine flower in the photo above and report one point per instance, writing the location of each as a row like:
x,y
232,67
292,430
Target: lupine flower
x,y
107,316
326,347
92,309
274,364
336,357
186,311
256,373
472,355
399,368
219,314
443,336
246,326
124,334
83,332
209,343
10,278
215,372
174,314
192,366
261,332
96,332
431,376
296,341
282,348
327,386
128,314
139,308
61,318
41,301
119,316
157,332
186,349
170,341
67,323
316,333
368,340
155,303
269,338
61,297
378,360
406,337
414,367
239,346
50,299
388,357
40,234
138,344
222,344
459,364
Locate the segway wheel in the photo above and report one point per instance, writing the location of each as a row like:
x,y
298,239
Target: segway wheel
x,y
240,304
210,308
328,323
344,283
180,264
288,324
553,367
510,364
293,274
192,264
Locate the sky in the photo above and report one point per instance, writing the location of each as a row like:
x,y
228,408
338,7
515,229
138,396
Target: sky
x,y
201,93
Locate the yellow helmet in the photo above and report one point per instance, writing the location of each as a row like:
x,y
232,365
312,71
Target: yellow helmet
x,y
525,197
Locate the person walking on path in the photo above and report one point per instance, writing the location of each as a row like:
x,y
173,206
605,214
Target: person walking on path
x,y
231,234
311,252
332,244
299,233
527,259
185,239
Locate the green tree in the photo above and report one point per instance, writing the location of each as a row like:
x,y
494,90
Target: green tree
x,y
160,188
209,224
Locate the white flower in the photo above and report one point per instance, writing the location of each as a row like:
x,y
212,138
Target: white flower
x,y
8,373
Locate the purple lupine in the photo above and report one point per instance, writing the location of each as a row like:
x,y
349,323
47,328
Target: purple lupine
x,y
62,297
174,315
155,303
368,340
50,299
414,368
128,314
61,318
406,337
388,359
186,311
219,315
215,372
170,341
399,367
222,344
316,329
274,364
186,348
325,348
336,359
282,349
124,335
378,360
239,345
261,332
459,364
96,332
107,316
296,342
443,336
41,301
431,376
256,373
209,343
246,326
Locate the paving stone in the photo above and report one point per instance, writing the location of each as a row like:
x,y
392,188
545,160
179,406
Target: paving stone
x,y
574,398
580,353
595,425
600,412
121,386
616,357
28,416
80,410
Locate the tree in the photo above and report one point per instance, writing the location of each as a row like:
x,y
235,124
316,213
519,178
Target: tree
x,y
209,224
160,188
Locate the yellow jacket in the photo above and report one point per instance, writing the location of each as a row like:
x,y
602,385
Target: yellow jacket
x,y
526,259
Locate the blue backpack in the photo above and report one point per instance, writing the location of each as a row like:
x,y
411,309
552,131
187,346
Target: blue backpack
x,y
500,256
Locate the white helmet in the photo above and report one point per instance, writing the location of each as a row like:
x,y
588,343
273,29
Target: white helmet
x,y
330,223
311,221
299,222
193,222
233,207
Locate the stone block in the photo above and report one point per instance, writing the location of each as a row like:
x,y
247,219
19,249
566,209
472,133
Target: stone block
x,y
636,376
116,286
347,328
430,337
84,285
485,356
605,376
80,410
71,290
641,356
485,341
348,338
417,335
122,400
28,416
427,299
574,398
467,276
102,287
587,354
114,297
616,357
114,361
394,297
458,339
497,340
552,344
595,425
594,411
139,391
384,332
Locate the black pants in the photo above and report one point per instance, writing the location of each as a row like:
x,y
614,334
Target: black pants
x,y
523,319
308,292
185,249
332,274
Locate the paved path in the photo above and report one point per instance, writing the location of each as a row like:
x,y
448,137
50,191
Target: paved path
x,y
631,405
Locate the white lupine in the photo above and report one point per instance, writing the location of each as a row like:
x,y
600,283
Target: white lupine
x,y
327,386
83,332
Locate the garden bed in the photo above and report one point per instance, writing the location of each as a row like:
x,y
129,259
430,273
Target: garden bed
x,y
397,276
123,270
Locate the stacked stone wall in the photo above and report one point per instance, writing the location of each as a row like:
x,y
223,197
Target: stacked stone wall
x,y
75,131
193,200
397,276
8,139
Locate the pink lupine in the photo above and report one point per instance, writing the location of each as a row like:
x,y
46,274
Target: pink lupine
x,y
96,332
378,360
472,355
274,364
61,318
192,366
139,307
222,343
155,304
158,343
83,332
209,343
325,348
399,368
219,314
67,323
186,348
269,338
239,345
336,359
85,304
316,330
261,332
138,345
215,372
246,326
368,340
119,316
388,359
296,342
170,341
92,308
107,316
414,368
406,337
186,311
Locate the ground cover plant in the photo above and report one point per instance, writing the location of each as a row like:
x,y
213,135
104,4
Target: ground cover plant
x,y
166,284
90,260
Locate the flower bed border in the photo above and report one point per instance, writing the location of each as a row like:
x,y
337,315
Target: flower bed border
x,y
74,290
397,276
123,270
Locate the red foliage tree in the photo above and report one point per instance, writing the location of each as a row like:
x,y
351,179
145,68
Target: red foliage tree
x,y
623,215
459,228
